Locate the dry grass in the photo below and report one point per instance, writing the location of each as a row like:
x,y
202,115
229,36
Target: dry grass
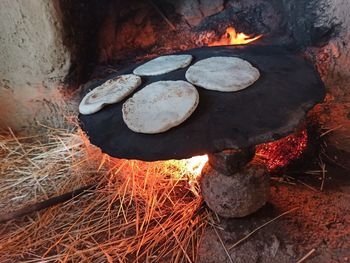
x,y
35,168
140,212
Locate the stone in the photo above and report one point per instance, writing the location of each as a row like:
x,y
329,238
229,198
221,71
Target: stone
x,y
229,161
190,11
136,32
238,195
269,244
194,11
211,7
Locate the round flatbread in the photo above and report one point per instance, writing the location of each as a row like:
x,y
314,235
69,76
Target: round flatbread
x,y
160,106
163,64
111,91
222,74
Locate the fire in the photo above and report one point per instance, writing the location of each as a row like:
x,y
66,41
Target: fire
x,y
279,154
274,155
195,164
231,37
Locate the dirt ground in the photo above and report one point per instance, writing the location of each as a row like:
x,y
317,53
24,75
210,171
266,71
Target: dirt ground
x,y
316,221
321,222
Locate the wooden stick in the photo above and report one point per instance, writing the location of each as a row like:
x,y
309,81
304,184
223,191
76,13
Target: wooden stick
x,y
171,25
47,203
323,166
260,227
306,256
330,130
223,245
308,186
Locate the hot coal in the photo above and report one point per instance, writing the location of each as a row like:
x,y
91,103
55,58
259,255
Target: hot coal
x,y
268,110
278,154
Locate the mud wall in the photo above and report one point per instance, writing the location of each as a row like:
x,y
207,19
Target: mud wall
x,y
333,62
34,62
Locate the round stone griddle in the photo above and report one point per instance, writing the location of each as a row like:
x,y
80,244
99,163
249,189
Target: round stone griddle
x,y
270,109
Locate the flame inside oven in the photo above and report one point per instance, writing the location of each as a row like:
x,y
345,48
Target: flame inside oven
x,y
231,37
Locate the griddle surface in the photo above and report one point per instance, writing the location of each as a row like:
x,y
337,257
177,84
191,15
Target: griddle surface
x,y
270,109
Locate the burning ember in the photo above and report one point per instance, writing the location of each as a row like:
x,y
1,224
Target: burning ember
x,y
280,153
231,37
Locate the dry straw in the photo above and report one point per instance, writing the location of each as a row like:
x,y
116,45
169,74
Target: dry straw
x,y
140,211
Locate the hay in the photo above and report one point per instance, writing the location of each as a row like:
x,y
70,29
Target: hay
x,y
35,168
140,211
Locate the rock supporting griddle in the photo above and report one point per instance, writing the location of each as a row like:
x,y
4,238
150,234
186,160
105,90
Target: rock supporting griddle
x,y
237,195
230,161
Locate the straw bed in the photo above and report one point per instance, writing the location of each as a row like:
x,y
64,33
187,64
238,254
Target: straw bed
x,y
140,211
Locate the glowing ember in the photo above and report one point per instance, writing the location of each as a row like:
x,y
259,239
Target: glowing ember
x,y
195,164
280,153
231,37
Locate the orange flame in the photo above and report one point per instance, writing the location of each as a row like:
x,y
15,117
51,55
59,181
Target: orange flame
x,y
195,164
231,37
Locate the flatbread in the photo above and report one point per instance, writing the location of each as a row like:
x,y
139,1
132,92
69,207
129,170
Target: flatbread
x,y
163,64
222,74
111,91
160,106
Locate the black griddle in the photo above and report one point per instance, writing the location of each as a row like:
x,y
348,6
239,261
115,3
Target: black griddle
x,y
273,107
